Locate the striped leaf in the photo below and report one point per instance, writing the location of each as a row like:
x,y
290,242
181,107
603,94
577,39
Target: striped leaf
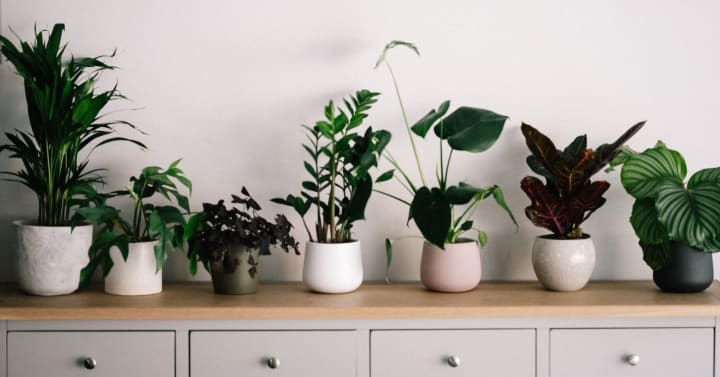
x,y
643,173
690,216
711,175
644,220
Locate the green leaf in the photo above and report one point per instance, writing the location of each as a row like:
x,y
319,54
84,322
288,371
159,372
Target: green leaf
x,y
656,256
98,215
463,193
388,175
467,225
392,45
325,129
431,211
358,201
642,173
388,258
310,169
645,222
690,216
482,238
500,200
422,126
471,129
711,175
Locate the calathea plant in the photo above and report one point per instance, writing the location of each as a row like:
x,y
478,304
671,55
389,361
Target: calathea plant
x,y
149,222
341,157
433,207
214,232
568,196
666,207
64,110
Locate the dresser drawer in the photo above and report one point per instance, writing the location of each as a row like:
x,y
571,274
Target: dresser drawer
x,y
448,353
252,353
115,354
667,352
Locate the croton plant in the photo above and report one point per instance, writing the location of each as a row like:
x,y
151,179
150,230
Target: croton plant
x,y
568,196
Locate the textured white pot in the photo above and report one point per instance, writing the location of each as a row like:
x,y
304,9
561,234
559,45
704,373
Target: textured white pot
x,y
455,269
563,265
333,267
136,276
50,257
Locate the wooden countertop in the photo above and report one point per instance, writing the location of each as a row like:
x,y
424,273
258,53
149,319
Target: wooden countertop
x,y
181,301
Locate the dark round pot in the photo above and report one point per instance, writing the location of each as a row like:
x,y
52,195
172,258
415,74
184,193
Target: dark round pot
x,y
239,281
690,270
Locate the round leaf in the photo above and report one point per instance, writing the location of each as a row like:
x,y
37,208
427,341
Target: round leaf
x,y
645,222
643,173
432,214
690,216
471,129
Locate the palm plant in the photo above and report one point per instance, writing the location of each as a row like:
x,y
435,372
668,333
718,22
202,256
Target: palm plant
x,y
65,120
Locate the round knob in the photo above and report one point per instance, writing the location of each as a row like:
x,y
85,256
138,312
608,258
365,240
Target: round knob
x,y
89,363
632,359
273,362
453,361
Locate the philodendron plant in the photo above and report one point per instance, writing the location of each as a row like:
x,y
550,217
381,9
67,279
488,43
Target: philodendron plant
x,y
433,207
666,208
65,120
567,197
149,222
341,157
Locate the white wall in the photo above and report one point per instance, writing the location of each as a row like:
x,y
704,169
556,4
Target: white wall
x,y
226,84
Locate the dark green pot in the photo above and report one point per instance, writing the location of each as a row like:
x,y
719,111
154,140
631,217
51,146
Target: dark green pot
x,y
690,270
238,282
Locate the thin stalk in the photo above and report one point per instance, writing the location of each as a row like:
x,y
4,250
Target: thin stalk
x,y
394,163
392,196
447,168
331,201
407,123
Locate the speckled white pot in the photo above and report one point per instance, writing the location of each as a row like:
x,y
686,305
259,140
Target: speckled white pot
x,y
50,257
563,265
333,267
136,276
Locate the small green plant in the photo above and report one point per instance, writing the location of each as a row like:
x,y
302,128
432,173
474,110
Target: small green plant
x,y
567,197
65,119
164,224
214,232
666,207
432,208
341,157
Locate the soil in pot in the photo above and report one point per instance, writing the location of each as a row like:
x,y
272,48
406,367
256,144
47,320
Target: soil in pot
x,y
690,270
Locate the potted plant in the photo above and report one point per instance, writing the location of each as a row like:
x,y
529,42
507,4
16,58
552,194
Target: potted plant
x,y
229,243
676,222
339,188
565,259
449,263
64,110
132,252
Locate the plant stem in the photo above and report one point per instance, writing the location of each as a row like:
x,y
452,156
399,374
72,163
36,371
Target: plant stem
x,y
394,163
407,123
392,196
447,168
331,201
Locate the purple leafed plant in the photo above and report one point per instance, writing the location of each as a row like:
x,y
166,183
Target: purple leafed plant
x,y
567,197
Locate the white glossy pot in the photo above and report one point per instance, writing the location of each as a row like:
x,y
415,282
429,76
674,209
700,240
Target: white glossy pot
x,y
455,269
136,276
50,257
563,265
333,267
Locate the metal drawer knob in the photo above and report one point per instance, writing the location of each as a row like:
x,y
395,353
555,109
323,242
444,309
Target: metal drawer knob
x,y
89,363
453,361
273,362
632,359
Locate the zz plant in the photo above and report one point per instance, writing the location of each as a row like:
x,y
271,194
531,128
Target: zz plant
x,y
149,222
666,207
433,207
567,197
340,159
64,110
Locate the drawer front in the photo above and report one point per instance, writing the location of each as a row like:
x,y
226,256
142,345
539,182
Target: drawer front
x,y
668,352
250,353
497,353
116,354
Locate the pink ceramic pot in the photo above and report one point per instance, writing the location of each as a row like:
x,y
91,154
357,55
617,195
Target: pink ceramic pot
x,y
455,269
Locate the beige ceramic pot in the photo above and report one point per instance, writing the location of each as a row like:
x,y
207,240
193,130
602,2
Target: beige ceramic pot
x,y
563,265
455,269
136,276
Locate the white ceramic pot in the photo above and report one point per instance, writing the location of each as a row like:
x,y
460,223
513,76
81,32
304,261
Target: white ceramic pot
x,y
50,257
136,276
563,265
455,269
333,267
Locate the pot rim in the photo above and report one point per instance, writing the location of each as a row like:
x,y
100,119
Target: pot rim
x,y
29,224
553,237
333,243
